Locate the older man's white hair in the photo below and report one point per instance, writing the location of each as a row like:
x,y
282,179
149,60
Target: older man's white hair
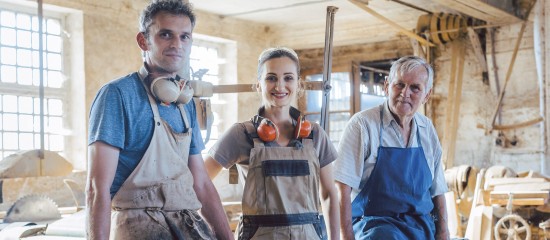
x,y
407,64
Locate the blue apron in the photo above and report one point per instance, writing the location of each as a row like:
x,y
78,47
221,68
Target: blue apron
x,y
395,202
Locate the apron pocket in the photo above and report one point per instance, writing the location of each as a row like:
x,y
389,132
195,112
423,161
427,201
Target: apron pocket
x,y
288,168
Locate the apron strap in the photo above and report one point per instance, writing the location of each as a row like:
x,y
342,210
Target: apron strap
x,y
184,117
156,115
381,124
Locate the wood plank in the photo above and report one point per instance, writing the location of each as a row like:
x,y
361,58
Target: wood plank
x,y
453,223
520,202
236,88
523,187
492,182
518,194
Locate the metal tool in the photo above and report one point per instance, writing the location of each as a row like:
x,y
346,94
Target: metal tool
x,y
33,208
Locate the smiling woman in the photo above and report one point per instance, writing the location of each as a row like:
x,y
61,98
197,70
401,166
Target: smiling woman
x,y
277,150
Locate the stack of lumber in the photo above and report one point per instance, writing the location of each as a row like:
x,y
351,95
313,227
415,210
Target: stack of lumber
x,y
531,190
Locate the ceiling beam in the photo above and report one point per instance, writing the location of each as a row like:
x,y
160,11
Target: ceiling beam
x,y
390,22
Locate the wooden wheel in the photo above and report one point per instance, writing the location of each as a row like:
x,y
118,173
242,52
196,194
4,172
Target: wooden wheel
x,y
512,227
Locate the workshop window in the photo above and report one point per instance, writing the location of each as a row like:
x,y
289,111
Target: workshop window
x,y
339,103
20,80
212,60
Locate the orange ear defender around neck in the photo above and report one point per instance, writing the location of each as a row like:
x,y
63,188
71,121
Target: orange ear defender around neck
x,y
303,128
268,131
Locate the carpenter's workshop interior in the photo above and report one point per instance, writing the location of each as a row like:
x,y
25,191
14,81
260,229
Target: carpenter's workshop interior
x,y
489,105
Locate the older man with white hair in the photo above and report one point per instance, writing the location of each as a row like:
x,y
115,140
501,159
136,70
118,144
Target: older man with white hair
x,y
389,173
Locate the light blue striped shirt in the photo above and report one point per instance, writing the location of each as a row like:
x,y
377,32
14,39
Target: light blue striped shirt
x,y
359,143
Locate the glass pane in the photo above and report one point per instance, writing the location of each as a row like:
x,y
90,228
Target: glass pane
x,y
8,55
8,74
35,59
37,140
10,122
56,143
23,21
24,57
25,105
36,124
337,124
24,76
10,103
8,36
46,141
53,27
37,106
35,43
24,39
10,141
26,123
55,79
26,141
53,44
54,61
340,93
369,101
7,19
55,125
35,23
35,77
55,107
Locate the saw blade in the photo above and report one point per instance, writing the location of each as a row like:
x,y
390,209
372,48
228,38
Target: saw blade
x,y
33,208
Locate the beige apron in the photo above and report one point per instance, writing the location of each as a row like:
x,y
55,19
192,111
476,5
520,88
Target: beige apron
x,y
158,201
281,193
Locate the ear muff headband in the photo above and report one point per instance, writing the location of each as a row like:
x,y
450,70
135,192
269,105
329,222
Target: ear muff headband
x,y
171,90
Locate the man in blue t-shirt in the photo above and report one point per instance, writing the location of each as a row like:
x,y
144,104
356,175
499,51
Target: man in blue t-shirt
x,y
146,175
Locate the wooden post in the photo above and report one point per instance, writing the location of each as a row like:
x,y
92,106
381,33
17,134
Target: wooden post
x,y
453,103
542,51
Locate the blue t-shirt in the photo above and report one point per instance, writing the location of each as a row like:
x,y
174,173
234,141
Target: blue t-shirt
x,y
121,116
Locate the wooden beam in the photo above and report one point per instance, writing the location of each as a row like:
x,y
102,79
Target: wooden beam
x,y
456,102
520,202
417,48
480,10
518,125
489,9
453,103
508,74
237,88
468,10
391,23
519,194
476,43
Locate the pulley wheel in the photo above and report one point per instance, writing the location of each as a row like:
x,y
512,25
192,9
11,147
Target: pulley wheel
x,y
512,227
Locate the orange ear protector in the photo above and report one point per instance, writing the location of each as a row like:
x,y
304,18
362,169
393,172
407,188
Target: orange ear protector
x,y
268,131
